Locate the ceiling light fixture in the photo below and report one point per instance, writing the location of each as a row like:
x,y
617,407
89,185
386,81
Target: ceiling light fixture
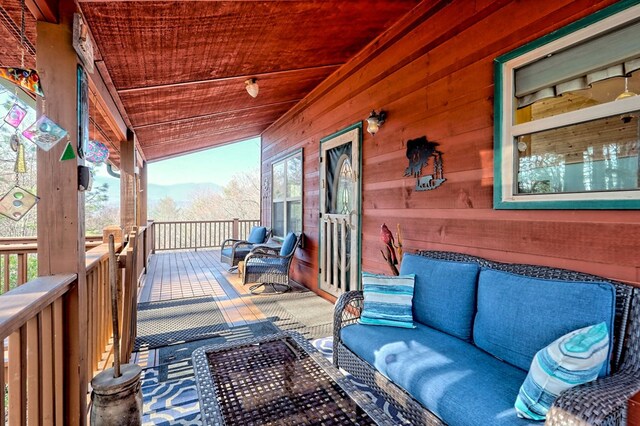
x,y
375,120
252,87
626,118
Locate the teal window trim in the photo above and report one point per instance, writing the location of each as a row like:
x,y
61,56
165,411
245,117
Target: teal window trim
x,y
282,159
499,64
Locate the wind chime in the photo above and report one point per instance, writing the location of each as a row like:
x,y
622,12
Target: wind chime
x,y
44,133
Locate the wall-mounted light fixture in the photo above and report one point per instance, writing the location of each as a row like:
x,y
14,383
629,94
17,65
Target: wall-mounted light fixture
x,y
252,87
375,120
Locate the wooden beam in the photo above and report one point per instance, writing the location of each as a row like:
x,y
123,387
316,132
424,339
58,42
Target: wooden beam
x,y
43,10
143,193
61,232
104,100
235,77
127,183
217,114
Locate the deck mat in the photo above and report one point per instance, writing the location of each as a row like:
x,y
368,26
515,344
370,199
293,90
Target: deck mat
x,y
304,312
169,322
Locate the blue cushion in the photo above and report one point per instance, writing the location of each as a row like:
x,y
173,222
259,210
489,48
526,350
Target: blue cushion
x,y
517,315
574,359
387,300
288,244
458,382
445,293
257,235
240,252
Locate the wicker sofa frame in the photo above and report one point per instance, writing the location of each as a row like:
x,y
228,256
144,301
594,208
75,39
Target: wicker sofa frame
x,y
602,402
236,254
274,274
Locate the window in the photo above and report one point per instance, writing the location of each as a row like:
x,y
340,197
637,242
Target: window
x,y
286,212
567,132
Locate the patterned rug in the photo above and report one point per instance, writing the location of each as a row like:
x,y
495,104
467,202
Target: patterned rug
x,y
170,397
175,321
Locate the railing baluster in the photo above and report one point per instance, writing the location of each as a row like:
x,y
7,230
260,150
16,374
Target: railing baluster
x,y
7,272
17,378
58,361
33,371
48,366
2,386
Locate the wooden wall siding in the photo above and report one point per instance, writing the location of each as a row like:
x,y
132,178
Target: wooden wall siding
x,y
189,60
433,74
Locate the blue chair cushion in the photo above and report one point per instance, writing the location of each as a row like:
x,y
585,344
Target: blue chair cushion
x,y
288,244
453,379
517,315
445,293
257,235
240,252
387,300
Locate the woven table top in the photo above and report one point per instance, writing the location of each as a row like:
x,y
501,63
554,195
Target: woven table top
x,y
277,380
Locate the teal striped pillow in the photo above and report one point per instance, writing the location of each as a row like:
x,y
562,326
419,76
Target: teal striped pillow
x,y
574,359
388,300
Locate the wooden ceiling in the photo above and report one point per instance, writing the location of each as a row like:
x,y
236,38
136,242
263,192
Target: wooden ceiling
x,y
179,67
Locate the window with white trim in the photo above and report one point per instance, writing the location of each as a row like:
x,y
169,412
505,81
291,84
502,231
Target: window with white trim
x,y
286,211
567,117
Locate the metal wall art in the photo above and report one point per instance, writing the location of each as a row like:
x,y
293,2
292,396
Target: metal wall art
x,y
419,151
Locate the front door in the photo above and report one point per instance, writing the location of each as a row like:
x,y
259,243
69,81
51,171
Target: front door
x,y
340,211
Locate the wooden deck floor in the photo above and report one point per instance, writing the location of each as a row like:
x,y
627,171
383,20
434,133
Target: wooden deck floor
x,y
181,274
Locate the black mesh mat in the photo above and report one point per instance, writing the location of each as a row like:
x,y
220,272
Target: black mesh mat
x,y
169,322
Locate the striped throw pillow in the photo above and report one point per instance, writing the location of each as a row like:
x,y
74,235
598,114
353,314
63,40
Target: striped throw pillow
x,y
574,359
387,300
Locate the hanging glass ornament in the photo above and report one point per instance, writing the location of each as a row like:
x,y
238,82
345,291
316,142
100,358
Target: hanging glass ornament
x,y
17,202
14,141
68,153
97,152
21,162
26,78
45,133
15,116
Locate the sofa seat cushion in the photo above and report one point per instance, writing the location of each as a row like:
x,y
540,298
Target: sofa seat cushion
x,y
461,384
517,315
445,293
240,252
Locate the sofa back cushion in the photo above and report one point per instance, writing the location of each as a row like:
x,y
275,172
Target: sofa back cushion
x,y
445,293
518,315
257,235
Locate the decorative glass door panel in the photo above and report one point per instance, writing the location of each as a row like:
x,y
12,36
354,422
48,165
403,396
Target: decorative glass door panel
x,y
340,212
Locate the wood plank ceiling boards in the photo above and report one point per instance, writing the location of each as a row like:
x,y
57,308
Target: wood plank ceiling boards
x,y
179,67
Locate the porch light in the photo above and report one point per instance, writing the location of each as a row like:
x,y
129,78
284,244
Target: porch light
x,y
375,120
252,87
626,118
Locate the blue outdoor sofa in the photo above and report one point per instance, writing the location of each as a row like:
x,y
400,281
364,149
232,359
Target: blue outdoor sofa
x,y
478,326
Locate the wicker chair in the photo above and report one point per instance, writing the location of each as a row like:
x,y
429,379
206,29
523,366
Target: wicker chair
x,y
234,250
268,266
602,402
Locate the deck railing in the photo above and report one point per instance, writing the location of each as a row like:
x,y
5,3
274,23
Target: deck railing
x,y
179,235
49,335
16,254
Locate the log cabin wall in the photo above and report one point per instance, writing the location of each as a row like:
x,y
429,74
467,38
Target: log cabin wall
x,y
433,73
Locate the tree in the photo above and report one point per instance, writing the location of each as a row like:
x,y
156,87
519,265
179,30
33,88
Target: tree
x,y
166,209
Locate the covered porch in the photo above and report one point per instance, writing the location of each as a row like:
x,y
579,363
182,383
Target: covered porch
x,y
385,127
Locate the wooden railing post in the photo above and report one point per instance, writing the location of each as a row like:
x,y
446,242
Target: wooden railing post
x,y
236,228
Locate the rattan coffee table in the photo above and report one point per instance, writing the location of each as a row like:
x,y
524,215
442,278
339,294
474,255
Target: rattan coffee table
x,y
280,379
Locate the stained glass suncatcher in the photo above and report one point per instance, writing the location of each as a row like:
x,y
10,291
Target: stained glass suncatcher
x,y
44,133
15,115
97,152
17,202
27,79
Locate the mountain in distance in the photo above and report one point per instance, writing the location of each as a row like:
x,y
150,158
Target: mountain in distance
x,y
180,192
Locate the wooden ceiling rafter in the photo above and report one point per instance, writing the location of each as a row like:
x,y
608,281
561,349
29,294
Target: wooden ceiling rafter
x,y
216,114
241,78
43,10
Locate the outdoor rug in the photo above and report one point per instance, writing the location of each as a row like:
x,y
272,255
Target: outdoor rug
x,y
304,312
174,321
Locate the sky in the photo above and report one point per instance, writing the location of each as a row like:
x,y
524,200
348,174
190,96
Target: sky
x,y
216,165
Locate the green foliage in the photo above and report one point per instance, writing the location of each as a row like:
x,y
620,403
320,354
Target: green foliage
x,y
32,270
